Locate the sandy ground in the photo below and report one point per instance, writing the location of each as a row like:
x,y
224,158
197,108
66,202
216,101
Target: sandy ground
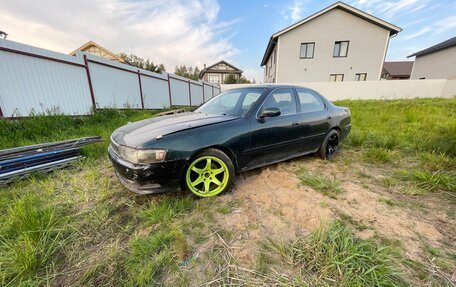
x,y
273,204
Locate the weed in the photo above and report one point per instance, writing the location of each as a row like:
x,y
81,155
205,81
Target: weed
x,y
167,209
378,155
151,257
430,181
349,220
29,240
333,254
329,187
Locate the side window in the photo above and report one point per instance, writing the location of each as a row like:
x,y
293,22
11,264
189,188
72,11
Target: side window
x,y
282,99
249,100
309,101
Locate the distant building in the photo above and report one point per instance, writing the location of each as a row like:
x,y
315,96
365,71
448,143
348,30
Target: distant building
x,y
400,70
338,43
436,62
97,50
217,72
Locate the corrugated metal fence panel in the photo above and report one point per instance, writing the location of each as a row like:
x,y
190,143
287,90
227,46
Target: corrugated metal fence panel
x,y
179,91
207,92
31,85
197,94
155,90
35,80
38,51
216,91
114,88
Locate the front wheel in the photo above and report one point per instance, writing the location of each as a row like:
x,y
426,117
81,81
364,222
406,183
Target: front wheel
x,y
330,145
210,173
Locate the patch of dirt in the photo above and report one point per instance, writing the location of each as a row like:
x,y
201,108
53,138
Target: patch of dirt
x,y
275,206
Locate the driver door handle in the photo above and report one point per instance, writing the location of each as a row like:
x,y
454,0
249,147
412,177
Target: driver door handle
x,y
293,124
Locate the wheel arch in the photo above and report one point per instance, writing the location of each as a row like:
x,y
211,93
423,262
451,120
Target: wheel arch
x,y
222,148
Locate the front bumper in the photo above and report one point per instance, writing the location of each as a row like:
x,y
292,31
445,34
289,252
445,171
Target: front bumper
x,y
147,178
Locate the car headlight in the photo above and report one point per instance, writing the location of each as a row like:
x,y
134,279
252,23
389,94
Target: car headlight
x,y
151,155
142,155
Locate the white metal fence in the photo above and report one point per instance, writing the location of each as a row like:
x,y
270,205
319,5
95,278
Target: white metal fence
x,y
39,81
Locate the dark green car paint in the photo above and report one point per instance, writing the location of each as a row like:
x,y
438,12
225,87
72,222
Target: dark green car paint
x,y
248,140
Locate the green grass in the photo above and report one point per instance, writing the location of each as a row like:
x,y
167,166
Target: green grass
x,y
79,227
427,181
333,255
327,186
40,129
426,125
30,235
167,209
378,155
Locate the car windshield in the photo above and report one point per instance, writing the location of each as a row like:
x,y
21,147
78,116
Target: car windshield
x,y
235,102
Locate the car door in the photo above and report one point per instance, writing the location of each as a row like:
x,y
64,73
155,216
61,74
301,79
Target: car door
x,y
315,115
277,138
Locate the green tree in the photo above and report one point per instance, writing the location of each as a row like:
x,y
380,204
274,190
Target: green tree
x,y
230,79
142,63
243,80
189,73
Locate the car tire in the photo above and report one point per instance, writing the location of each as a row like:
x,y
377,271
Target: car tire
x,y
209,173
330,145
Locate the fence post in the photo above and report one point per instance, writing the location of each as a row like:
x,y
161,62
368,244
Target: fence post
x,y
169,91
86,63
140,89
189,92
212,86
203,93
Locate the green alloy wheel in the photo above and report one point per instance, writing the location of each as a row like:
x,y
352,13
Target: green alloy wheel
x,y
210,173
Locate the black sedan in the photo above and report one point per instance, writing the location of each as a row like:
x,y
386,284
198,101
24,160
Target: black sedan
x,y
238,130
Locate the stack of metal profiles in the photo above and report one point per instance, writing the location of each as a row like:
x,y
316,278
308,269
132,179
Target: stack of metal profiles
x,y
20,162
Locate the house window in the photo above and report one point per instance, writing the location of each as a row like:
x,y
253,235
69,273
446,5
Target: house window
x,y
214,79
307,50
336,77
361,77
340,49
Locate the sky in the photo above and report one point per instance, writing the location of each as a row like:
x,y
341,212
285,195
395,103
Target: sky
x,y
179,32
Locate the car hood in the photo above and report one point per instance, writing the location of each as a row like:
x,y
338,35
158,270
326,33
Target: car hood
x,y
137,133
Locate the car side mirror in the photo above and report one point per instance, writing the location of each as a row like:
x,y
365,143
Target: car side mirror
x,y
270,112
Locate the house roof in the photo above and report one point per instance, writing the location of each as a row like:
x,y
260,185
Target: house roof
x,y
338,5
437,47
209,69
93,44
399,68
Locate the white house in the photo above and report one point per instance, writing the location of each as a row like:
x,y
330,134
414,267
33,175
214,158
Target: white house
x,y
338,43
436,62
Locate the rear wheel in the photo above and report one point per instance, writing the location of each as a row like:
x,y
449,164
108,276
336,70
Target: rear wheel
x,y
210,173
330,145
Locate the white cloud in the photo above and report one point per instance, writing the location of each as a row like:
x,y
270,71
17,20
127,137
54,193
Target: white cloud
x,y
173,32
389,9
438,27
293,11
419,33
445,24
296,10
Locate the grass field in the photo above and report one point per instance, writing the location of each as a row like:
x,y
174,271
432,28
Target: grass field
x,y
79,227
